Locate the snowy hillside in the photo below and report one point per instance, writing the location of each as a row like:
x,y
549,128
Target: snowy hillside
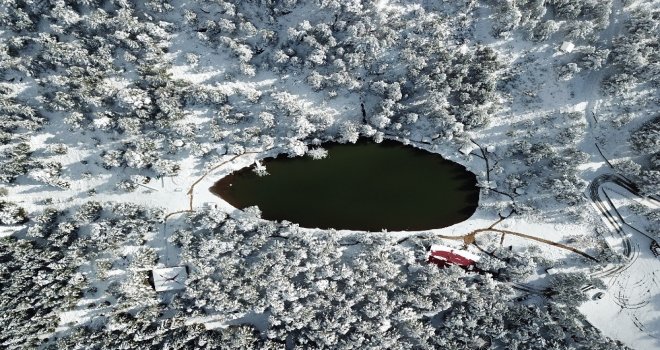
x,y
116,116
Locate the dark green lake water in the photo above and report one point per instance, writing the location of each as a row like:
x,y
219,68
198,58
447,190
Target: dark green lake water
x,y
363,186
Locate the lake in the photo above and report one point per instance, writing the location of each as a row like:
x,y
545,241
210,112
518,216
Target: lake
x,y
364,186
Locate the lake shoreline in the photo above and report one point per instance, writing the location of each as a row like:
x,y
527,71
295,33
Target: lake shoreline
x,y
462,197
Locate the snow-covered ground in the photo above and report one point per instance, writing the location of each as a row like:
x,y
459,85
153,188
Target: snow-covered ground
x,y
627,311
152,104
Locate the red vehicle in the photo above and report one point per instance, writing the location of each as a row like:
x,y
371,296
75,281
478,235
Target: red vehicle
x,y
444,256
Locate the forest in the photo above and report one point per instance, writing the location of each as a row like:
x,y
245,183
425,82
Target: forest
x,y
101,100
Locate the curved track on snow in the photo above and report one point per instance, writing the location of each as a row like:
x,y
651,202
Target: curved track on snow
x,y
628,291
613,217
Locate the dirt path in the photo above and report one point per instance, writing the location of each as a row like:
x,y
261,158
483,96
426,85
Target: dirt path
x,y
191,197
538,239
191,189
470,238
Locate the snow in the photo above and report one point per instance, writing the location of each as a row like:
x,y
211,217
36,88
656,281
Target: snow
x,y
567,47
211,205
626,311
170,278
629,309
467,149
178,143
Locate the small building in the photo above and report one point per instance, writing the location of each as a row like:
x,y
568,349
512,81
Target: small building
x,y
567,47
444,256
169,278
466,149
178,143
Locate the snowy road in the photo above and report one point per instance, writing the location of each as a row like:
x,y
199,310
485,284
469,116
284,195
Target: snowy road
x,y
613,218
593,80
633,286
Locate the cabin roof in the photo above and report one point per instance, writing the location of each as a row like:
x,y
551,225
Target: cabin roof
x,y
567,46
447,255
170,278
